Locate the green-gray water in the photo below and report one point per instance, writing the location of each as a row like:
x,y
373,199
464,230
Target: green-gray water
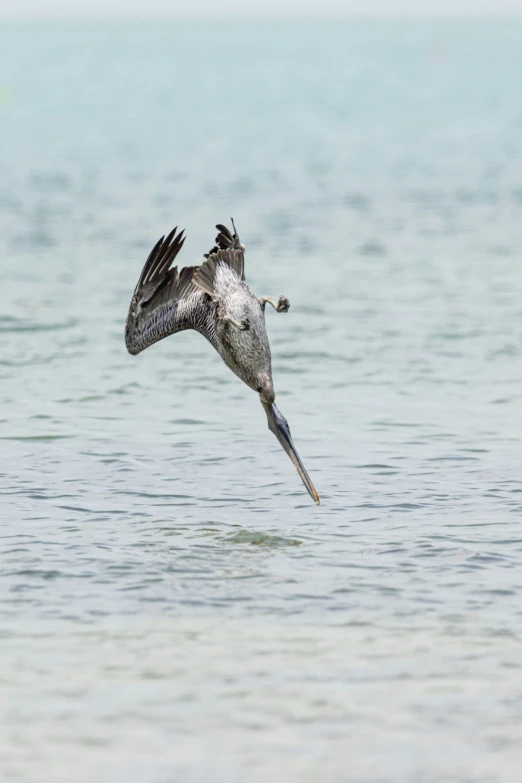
x,y
173,607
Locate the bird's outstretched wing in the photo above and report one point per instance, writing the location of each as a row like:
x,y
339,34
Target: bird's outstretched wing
x,y
228,250
165,301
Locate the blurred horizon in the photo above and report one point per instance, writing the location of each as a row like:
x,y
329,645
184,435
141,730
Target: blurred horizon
x,y
99,9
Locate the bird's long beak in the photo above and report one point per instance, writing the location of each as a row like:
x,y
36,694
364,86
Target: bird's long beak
x,y
279,426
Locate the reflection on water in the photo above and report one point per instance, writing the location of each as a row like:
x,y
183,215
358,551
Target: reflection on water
x,y
173,606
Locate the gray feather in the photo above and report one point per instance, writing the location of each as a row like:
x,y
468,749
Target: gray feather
x,y
164,300
205,275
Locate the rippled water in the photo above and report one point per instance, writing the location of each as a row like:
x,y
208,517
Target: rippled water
x,y
173,606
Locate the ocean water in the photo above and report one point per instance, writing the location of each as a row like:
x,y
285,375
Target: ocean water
x,y
172,605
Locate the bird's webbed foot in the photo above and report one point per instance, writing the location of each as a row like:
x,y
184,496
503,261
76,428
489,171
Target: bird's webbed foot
x,y
243,325
283,305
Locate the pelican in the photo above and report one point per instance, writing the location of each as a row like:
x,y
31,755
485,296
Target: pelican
x,y
215,300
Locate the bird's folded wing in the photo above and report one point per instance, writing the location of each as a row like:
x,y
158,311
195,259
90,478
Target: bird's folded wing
x,y
165,300
205,275
228,250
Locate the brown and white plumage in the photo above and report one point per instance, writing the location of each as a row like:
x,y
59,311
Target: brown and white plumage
x,y
164,300
213,299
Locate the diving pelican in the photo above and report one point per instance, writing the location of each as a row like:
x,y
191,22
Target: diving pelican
x,y
215,300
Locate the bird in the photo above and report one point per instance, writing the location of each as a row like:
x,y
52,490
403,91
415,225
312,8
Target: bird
x,y
214,300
